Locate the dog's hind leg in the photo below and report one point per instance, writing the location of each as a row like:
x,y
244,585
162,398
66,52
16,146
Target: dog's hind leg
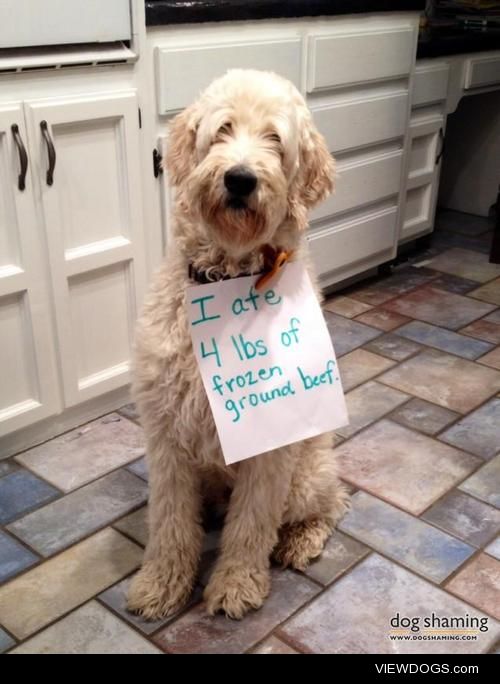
x,y
317,500
241,578
167,576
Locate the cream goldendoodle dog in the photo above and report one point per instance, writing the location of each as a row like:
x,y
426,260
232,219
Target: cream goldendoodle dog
x,y
247,164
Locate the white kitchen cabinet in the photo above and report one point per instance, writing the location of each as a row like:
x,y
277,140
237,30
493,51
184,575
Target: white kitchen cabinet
x,y
72,250
29,388
91,212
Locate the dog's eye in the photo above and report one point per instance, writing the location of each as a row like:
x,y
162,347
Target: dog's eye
x,y
225,129
273,137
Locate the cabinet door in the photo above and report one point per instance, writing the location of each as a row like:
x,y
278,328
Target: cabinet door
x,y
92,212
29,384
426,145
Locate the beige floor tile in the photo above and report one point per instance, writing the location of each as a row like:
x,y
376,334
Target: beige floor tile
x,y
345,306
402,467
90,630
43,594
444,379
84,454
359,366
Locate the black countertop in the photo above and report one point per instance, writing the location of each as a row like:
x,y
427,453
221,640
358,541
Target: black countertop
x,y
160,12
432,43
438,42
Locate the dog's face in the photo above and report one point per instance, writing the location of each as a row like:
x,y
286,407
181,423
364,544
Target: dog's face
x,y
246,157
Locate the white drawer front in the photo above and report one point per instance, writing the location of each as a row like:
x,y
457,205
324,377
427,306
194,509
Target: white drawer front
x,y
356,124
430,84
482,71
184,71
346,244
340,59
363,183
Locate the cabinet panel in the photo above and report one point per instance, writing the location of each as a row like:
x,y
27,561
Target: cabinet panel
x,y
349,125
426,141
345,245
91,209
430,83
482,71
93,221
99,303
184,71
418,210
362,182
29,385
346,58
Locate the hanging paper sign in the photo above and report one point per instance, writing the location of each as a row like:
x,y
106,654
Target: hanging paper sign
x,y
266,360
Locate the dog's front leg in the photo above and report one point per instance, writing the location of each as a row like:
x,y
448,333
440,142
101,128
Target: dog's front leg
x,y
167,576
241,578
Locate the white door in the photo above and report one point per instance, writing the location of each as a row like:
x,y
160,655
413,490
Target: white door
x,y
28,375
86,158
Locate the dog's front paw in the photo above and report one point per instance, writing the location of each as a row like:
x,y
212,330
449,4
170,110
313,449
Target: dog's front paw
x,y
299,543
235,589
155,593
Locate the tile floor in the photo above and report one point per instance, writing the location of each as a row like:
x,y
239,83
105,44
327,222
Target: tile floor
x,y
420,361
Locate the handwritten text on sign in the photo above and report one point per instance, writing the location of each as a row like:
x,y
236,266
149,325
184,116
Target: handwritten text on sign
x,y
267,362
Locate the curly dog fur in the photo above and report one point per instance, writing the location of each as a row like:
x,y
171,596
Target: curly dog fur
x,y
284,503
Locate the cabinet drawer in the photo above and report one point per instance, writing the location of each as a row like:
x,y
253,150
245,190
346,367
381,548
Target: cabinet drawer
x,y
430,84
182,72
482,71
345,58
363,122
363,183
342,246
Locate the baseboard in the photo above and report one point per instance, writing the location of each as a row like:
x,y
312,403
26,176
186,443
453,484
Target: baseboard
x,y
55,425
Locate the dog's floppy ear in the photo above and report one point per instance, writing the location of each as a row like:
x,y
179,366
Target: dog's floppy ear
x,y
181,146
315,177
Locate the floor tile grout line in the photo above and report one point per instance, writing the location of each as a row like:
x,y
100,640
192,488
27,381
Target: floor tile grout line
x,y
431,523
387,416
76,489
452,534
28,512
11,635
382,305
373,377
322,589
151,635
44,559
477,551
424,346
67,612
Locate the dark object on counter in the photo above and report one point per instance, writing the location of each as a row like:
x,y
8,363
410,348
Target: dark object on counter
x,y
454,40
160,12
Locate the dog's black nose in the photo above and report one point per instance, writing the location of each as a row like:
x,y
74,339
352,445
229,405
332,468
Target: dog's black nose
x,y
240,181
